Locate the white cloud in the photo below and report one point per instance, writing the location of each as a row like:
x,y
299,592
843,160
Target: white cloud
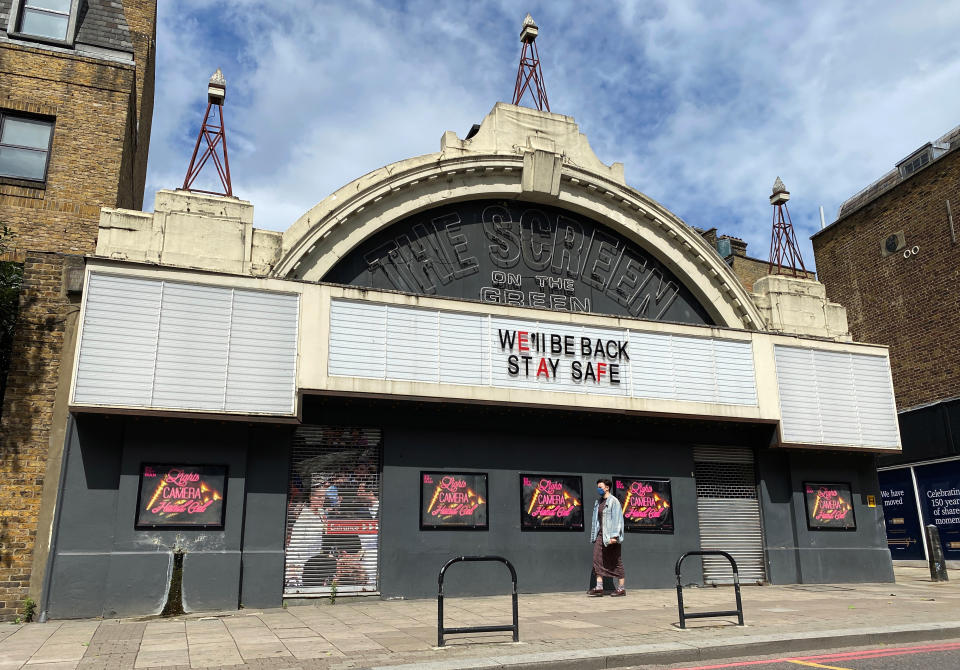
x,y
705,103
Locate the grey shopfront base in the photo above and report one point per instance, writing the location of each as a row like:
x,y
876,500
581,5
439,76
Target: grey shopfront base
x,y
561,561
798,555
103,566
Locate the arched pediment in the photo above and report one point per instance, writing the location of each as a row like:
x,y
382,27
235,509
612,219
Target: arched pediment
x,y
325,243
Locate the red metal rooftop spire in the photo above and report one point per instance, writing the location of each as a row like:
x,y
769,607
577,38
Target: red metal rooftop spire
x,y
784,250
529,75
214,132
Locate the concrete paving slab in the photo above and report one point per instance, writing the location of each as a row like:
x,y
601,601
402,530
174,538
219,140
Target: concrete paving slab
x,y
164,645
353,644
294,633
60,665
250,651
400,643
157,659
214,654
52,652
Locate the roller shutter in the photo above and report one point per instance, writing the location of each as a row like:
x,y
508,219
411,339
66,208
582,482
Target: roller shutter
x,y
729,513
333,511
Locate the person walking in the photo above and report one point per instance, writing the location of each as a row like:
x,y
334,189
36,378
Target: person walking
x,y
606,534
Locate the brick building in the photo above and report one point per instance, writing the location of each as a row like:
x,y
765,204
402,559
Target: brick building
x,y
76,103
748,269
892,258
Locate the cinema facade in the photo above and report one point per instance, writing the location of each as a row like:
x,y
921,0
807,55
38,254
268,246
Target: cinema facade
x,y
440,359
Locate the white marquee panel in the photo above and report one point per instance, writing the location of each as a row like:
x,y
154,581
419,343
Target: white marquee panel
x,y
173,345
416,344
836,398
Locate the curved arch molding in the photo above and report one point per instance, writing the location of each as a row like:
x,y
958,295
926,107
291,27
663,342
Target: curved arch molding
x,y
415,226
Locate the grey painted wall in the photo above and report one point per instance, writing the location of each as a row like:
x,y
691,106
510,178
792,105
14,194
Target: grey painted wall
x,y
103,566
796,554
545,561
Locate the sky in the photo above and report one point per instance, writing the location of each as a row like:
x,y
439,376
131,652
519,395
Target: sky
x,y
705,103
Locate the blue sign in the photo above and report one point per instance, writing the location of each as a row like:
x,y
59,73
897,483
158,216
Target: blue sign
x,y
900,513
939,488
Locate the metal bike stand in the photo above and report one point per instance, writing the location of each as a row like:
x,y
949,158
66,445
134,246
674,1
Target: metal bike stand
x,y
702,615
441,631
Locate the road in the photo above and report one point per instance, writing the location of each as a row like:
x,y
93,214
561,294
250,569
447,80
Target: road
x,y
944,654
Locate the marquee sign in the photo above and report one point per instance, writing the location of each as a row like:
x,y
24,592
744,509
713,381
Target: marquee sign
x,y
551,502
588,360
453,500
181,495
647,504
829,506
517,253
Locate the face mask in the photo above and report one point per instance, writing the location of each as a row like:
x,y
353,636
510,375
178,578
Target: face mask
x,y
600,491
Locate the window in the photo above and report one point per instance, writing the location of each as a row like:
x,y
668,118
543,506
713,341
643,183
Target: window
x,y
914,164
44,19
24,146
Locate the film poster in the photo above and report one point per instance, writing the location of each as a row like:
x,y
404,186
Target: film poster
x,y
829,506
647,504
181,495
453,500
551,502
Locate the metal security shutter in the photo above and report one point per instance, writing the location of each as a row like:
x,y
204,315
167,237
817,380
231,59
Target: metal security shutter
x,y
333,511
729,513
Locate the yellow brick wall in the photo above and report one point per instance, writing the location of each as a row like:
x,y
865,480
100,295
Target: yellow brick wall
x,y
25,423
910,304
91,101
749,270
103,114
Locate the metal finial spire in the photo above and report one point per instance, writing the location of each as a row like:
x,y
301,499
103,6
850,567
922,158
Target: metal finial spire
x,y
529,75
217,79
778,187
214,132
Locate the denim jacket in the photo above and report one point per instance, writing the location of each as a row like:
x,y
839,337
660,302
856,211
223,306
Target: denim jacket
x,y
612,521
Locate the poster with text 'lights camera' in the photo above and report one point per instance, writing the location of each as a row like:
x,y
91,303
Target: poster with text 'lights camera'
x,y
647,504
829,506
181,495
453,500
551,502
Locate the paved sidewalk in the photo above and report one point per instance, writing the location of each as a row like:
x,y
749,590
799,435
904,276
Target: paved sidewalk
x,y
556,630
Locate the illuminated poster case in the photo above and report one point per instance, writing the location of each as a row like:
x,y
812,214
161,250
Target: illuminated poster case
x,y
551,502
647,504
181,496
453,501
829,506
